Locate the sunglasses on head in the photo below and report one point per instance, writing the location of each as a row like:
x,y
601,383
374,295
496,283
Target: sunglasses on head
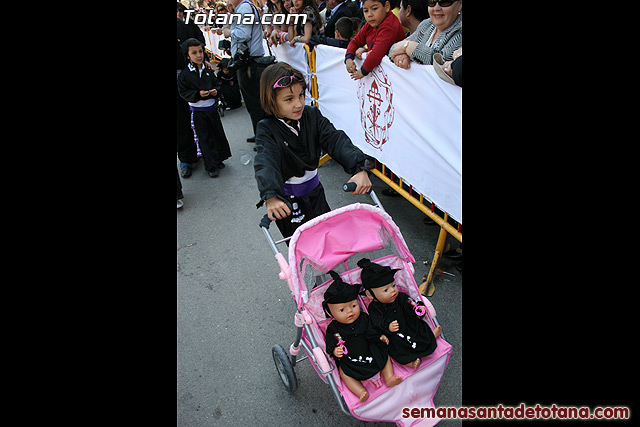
x,y
445,3
287,81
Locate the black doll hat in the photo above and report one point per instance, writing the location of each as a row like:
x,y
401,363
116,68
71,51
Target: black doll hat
x,y
339,292
374,275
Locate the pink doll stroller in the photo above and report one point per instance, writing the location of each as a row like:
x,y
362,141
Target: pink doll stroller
x,y
336,241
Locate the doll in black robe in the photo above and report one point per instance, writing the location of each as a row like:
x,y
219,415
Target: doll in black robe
x,y
397,315
353,342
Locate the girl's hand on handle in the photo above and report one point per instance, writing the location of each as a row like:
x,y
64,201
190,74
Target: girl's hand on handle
x,y
277,209
363,182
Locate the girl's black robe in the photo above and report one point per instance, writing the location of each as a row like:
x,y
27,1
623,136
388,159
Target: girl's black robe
x,y
366,355
414,338
283,154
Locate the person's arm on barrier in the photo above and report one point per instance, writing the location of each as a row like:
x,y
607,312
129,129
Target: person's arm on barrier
x,y
308,29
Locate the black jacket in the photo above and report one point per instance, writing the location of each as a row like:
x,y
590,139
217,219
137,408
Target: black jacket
x,y
330,26
282,155
187,31
190,84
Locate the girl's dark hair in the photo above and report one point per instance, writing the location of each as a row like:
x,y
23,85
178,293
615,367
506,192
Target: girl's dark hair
x,y
187,44
418,8
270,75
271,6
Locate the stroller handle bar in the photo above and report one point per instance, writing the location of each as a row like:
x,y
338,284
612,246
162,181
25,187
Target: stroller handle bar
x,y
265,222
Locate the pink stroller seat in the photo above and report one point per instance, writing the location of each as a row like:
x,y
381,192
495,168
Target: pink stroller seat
x,y
336,241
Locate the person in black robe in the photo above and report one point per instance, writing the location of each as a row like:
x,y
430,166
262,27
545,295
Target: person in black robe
x,y
229,89
199,86
352,341
397,315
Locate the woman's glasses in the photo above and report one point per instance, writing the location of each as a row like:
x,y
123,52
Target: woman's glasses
x,y
287,81
445,3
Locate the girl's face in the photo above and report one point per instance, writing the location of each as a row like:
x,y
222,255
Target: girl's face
x,y
290,101
297,4
196,55
287,5
375,12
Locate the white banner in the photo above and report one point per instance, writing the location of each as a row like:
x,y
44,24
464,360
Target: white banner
x,y
296,57
410,120
211,39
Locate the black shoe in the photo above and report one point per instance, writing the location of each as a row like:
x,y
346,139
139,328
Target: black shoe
x,y
213,173
185,171
252,139
453,254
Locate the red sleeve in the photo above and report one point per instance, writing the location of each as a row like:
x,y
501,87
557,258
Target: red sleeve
x,y
359,40
387,35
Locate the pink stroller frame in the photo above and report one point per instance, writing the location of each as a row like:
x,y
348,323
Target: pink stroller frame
x,y
336,241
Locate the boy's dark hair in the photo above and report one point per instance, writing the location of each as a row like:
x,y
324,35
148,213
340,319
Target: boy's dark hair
x,y
187,44
357,24
418,8
345,26
181,7
270,75
382,2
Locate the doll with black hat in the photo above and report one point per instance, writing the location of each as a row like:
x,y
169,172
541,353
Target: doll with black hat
x,y
352,341
398,315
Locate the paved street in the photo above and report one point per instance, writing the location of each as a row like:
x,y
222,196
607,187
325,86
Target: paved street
x,y
232,308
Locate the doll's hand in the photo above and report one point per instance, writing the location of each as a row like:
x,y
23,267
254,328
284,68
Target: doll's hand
x,y
384,339
277,209
357,75
351,66
394,326
337,352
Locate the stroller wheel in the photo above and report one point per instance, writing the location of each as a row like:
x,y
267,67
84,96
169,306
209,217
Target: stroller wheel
x,y
285,370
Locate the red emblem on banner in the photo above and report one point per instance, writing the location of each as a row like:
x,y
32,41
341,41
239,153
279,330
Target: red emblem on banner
x,y
375,96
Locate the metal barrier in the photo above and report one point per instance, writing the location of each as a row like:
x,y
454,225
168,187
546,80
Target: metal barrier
x,y
395,182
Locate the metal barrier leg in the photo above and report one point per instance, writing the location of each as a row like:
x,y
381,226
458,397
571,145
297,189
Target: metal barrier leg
x,y
428,284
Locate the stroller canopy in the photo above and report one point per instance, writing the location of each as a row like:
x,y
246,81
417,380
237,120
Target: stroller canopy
x,y
325,242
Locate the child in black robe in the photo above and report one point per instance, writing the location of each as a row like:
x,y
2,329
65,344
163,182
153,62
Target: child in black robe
x,y
289,141
352,341
397,315
199,86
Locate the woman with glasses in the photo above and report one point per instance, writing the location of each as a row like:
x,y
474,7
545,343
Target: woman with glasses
x,y
441,33
289,140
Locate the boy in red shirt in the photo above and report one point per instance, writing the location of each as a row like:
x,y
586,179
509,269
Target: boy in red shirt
x,y
381,31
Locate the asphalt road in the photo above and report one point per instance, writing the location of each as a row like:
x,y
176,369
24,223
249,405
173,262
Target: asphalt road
x,y
232,308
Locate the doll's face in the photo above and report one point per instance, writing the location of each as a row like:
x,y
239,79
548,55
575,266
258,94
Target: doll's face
x,y
386,294
345,312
